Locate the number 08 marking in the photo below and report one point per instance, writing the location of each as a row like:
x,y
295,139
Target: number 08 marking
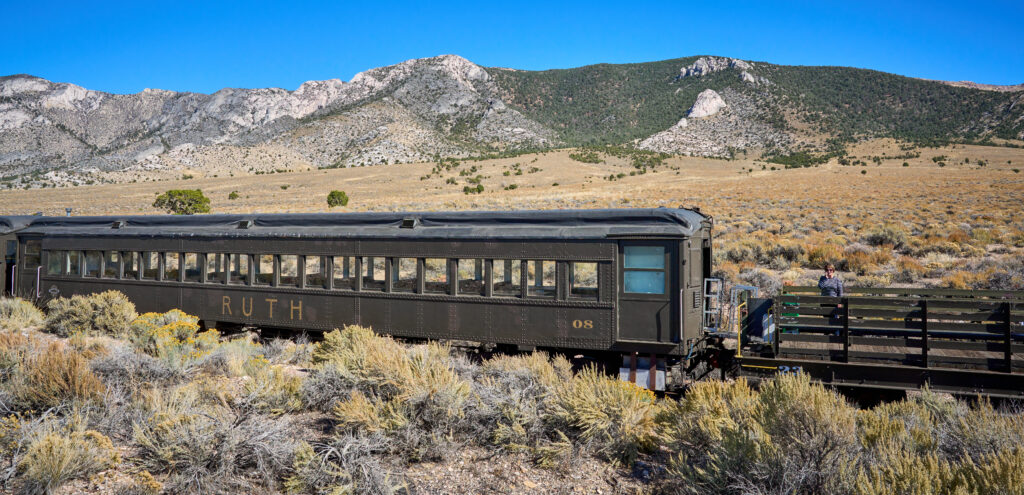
x,y
583,323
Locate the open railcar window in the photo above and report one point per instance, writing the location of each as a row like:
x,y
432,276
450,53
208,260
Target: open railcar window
x,y
435,275
374,276
289,270
316,272
131,262
264,265
239,269
403,275
471,277
583,280
541,278
507,278
344,272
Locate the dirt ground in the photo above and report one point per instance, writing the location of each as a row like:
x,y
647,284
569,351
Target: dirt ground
x,y
552,180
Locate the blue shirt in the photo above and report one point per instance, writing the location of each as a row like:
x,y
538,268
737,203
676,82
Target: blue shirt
x,y
831,286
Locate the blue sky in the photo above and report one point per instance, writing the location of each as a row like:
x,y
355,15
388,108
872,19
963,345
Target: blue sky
x,y
124,47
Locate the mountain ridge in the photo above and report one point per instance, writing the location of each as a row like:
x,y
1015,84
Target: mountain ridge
x,y
421,109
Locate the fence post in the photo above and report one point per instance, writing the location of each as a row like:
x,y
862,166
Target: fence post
x,y
846,329
924,332
1007,338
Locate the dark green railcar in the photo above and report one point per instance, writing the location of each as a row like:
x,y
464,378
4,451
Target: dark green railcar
x,y
619,285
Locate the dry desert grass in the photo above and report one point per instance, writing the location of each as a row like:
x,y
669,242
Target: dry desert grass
x,y
950,217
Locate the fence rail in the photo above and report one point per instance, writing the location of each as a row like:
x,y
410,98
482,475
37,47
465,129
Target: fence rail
x,y
925,329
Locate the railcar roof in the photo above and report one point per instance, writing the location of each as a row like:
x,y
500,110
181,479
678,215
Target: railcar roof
x,y
537,224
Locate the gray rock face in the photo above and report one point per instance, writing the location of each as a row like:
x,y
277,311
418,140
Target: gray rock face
x,y
736,128
707,65
404,112
708,103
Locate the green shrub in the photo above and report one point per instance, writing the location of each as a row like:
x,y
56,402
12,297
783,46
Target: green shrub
x,y
271,388
793,437
890,234
183,202
233,196
59,456
337,198
616,418
173,337
107,313
17,314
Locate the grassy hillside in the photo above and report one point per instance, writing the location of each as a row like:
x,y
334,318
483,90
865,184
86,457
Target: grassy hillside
x,y
616,103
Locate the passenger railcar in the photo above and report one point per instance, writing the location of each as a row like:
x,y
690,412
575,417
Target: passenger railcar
x,y
622,284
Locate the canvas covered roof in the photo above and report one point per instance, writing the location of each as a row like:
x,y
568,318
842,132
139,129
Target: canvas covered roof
x,y
539,224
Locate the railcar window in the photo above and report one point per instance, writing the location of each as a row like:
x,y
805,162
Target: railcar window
x,y
216,266
150,265
92,263
373,279
190,263
644,269
131,265
74,266
12,249
540,278
435,275
316,272
239,269
344,272
507,278
289,270
264,264
583,280
54,262
111,264
172,267
471,277
33,253
403,275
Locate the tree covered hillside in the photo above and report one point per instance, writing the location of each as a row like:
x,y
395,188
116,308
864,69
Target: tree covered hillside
x,y
608,103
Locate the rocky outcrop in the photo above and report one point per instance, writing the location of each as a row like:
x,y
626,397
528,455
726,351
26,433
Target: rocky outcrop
x,y
707,65
753,80
708,103
409,111
732,128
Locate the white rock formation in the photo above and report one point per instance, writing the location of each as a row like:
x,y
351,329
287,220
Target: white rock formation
x,y
708,103
753,80
707,65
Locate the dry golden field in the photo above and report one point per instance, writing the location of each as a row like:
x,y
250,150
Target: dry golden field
x,y
881,222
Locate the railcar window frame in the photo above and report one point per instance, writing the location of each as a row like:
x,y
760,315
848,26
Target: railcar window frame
x,y
150,271
512,273
348,267
288,271
89,269
58,257
537,288
110,266
475,270
131,265
405,265
625,270
584,294
236,275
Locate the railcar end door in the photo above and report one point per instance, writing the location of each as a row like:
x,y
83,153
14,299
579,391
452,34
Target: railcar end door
x,y
645,295
8,263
